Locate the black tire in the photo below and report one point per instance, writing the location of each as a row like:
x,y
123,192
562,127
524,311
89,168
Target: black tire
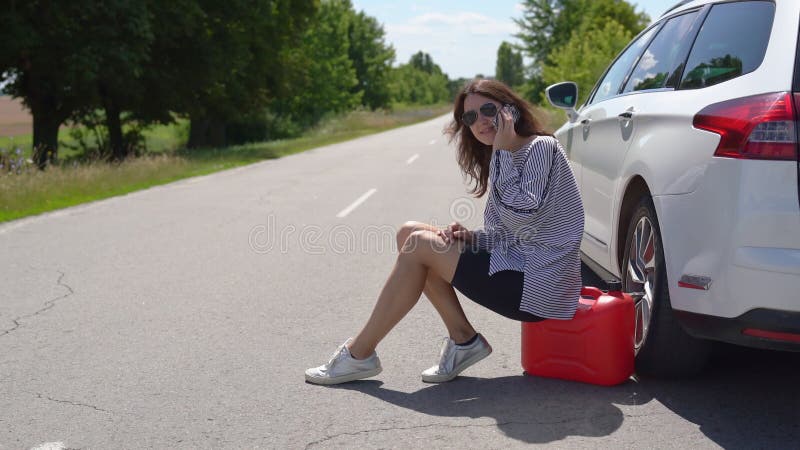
x,y
665,350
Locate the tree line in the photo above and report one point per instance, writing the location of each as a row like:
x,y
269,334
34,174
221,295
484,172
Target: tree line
x,y
243,71
238,70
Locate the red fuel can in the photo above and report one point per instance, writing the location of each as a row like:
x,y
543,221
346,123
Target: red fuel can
x,y
596,346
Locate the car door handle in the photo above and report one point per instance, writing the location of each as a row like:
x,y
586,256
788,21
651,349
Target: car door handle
x,y
585,122
626,115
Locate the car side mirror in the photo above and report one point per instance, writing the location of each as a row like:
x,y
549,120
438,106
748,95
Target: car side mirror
x,y
564,96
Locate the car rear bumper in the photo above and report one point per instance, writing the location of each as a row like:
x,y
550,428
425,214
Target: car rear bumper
x,y
760,328
736,236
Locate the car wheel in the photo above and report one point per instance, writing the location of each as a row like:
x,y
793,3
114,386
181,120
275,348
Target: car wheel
x,y
662,347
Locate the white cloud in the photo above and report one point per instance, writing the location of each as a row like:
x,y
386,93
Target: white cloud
x,y
464,22
648,60
463,43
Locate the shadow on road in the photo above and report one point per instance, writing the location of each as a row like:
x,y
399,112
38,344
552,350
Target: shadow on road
x,y
746,398
529,409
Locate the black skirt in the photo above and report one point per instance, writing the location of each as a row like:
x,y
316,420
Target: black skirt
x,y
500,292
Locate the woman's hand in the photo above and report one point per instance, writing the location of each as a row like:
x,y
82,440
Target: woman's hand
x,y
455,231
506,136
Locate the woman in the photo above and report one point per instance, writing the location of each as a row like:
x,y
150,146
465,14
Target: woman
x,y
524,264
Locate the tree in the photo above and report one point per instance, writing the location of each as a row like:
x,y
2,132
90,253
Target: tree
x,y
510,69
240,69
585,56
322,77
227,66
372,59
50,59
423,61
547,25
178,65
121,34
421,81
143,60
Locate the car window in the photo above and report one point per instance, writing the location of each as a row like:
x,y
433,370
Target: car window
x,y
615,75
796,85
731,43
664,56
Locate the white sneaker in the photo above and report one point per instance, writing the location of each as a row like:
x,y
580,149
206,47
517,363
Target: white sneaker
x,y
342,367
453,359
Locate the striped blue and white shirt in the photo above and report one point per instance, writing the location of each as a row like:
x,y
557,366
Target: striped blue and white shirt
x,y
533,223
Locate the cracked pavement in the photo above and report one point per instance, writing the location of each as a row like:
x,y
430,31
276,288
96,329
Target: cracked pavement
x,y
47,305
155,320
73,403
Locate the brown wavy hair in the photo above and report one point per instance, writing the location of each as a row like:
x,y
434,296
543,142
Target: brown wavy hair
x,y
473,155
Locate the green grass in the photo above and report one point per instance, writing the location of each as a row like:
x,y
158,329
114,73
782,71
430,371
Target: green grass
x,y
158,138
33,192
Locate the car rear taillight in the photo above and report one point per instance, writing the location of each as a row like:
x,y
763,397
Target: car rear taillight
x,y
758,127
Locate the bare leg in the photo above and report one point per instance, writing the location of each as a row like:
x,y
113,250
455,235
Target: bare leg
x,y
423,255
443,298
440,292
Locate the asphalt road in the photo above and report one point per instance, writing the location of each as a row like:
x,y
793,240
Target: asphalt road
x,y
183,316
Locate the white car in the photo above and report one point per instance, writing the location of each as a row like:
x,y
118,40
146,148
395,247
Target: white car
x,y
686,152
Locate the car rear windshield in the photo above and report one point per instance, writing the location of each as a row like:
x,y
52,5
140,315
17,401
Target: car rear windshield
x,y
731,43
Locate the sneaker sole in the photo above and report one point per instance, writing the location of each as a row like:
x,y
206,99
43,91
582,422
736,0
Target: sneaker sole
x,y
455,373
344,378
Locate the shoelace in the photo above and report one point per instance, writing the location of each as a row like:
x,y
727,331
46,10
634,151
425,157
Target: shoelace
x,y
446,355
337,355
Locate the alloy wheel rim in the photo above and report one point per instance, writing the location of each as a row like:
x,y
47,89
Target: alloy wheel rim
x,y
640,277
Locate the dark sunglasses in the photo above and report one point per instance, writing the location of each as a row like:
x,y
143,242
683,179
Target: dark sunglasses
x,y
471,116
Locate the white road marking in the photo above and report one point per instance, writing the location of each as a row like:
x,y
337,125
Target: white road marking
x,y
50,446
355,204
412,159
432,142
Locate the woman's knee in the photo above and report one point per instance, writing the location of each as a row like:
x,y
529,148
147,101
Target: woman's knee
x,y
426,247
405,231
418,242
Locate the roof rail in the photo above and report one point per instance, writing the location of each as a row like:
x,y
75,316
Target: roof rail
x,y
677,5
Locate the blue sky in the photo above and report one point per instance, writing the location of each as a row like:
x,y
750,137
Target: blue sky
x,y
462,36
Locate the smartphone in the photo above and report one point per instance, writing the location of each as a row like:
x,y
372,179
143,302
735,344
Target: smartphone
x,y
514,114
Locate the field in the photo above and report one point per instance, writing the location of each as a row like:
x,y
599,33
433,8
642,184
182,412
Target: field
x,y
14,118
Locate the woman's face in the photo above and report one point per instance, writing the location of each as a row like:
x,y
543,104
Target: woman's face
x,y
482,129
